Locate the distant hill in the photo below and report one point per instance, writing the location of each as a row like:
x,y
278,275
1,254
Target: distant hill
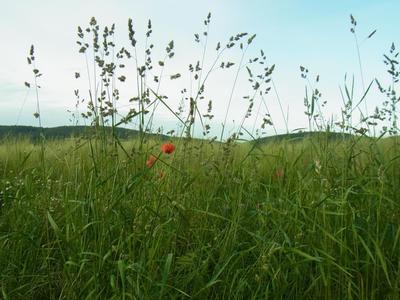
x,y
300,136
63,132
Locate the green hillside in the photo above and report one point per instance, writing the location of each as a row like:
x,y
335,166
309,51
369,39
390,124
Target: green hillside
x,y
300,136
63,132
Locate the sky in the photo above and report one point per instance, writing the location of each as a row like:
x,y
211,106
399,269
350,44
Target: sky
x,y
292,33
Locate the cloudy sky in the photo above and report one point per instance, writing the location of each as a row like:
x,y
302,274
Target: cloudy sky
x,y
314,34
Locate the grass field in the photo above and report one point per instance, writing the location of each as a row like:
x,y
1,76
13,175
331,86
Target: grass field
x,y
110,215
315,219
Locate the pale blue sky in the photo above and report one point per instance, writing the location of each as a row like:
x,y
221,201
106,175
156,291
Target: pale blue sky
x,y
292,33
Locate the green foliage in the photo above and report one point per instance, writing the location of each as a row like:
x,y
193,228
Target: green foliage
x,y
316,219
105,212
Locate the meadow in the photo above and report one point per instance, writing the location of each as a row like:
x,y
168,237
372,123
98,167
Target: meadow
x,y
100,217
305,220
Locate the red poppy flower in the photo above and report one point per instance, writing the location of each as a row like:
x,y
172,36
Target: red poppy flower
x,y
151,160
279,173
168,148
161,174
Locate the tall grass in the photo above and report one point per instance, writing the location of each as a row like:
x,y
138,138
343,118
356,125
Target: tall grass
x,y
90,219
314,219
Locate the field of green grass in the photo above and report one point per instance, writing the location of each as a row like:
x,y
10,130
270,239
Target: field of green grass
x,y
113,213
316,219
